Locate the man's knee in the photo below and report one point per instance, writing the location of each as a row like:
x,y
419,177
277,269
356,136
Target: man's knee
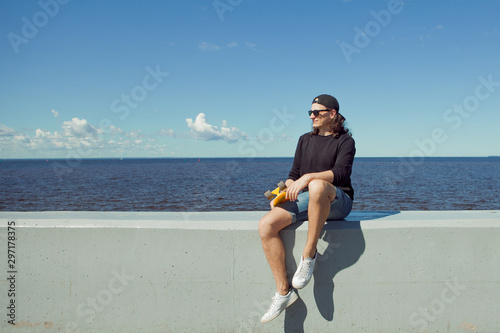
x,y
264,227
271,224
319,188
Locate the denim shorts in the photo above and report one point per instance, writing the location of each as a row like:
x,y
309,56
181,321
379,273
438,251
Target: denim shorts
x,y
340,207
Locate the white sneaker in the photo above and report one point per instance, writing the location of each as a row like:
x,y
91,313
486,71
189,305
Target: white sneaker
x,y
304,272
280,303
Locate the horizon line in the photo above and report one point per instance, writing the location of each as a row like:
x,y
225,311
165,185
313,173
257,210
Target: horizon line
x,y
221,157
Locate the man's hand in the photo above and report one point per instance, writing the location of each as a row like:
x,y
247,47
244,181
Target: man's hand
x,y
294,187
293,190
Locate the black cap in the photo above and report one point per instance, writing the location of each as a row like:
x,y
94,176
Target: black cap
x,y
328,101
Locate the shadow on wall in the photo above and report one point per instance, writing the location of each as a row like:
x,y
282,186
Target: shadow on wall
x,y
341,245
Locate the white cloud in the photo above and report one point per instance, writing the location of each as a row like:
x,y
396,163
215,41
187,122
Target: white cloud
x,y
21,138
204,131
6,131
77,135
251,46
206,46
112,129
55,113
79,128
166,132
80,139
40,133
136,134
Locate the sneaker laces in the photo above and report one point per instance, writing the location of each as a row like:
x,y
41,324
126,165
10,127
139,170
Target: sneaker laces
x,y
276,298
304,268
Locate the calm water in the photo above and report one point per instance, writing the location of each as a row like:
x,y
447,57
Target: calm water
x,y
238,184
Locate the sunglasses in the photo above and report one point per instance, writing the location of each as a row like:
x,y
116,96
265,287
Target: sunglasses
x,y
316,112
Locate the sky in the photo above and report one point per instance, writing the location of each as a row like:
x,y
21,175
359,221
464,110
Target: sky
x,y
235,78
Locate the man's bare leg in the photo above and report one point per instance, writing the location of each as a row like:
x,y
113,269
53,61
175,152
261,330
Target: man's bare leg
x,y
321,194
269,228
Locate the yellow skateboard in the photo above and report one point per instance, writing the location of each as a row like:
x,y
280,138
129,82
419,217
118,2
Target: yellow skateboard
x,y
279,194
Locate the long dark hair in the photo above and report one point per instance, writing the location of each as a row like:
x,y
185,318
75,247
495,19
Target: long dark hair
x,y
336,125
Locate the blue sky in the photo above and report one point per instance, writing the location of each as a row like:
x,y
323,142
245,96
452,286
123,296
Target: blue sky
x,y
234,78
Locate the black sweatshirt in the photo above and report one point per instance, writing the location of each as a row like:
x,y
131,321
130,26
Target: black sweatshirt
x,y
317,153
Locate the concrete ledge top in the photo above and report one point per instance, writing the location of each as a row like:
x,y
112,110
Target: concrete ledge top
x,y
247,220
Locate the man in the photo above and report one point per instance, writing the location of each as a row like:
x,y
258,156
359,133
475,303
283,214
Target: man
x,y
319,189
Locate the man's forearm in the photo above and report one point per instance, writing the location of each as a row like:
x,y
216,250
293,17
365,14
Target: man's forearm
x,y
324,175
294,187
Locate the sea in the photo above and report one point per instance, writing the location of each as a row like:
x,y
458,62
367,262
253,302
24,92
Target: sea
x,y
238,184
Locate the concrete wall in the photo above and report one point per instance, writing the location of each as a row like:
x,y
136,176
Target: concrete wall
x,y
206,272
